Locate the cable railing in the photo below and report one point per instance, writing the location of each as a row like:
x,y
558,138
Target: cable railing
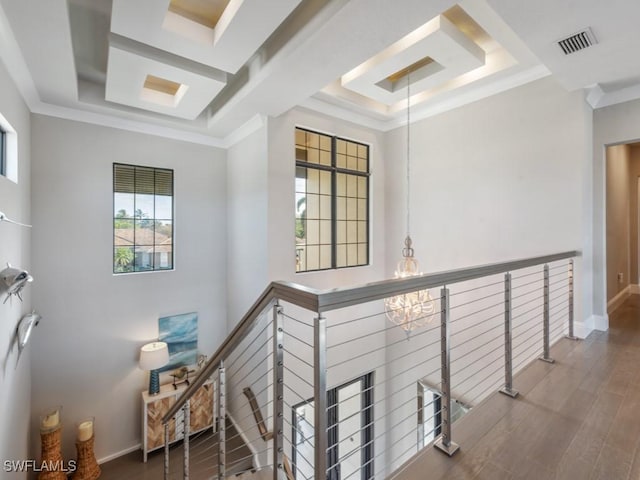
x,y
339,392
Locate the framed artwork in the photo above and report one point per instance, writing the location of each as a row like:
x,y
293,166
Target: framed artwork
x,y
180,332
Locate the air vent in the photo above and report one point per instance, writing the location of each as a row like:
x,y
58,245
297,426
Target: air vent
x,y
578,41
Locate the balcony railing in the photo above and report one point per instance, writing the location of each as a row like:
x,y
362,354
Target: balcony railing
x,y
334,382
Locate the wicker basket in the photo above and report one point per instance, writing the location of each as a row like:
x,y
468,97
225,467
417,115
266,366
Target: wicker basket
x,y
52,455
87,467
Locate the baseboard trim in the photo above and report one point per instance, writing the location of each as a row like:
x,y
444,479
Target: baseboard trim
x,y
594,322
126,451
634,289
615,302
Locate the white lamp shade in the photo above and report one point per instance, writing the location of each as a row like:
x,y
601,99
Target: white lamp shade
x,y
154,355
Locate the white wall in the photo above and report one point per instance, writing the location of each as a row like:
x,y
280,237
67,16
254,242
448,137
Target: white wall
x,y
496,180
247,200
15,247
86,350
611,125
500,179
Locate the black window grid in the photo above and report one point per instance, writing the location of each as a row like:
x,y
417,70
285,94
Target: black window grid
x,y
134,246
359,153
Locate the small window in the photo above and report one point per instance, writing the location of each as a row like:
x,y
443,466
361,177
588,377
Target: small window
x,y
332,202
142,219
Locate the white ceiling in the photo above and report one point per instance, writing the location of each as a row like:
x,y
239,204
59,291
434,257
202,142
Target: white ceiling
x,y
88,59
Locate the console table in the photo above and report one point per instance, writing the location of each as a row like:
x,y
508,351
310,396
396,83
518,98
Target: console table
x,y
154,407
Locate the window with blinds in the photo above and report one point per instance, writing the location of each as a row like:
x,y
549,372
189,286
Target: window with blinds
x,y
142,218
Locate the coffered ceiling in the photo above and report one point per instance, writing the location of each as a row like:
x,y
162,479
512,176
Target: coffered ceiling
x,y
204,69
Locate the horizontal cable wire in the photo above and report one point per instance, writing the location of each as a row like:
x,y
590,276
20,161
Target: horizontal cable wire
x,y
468,352
377,332
287,369
564,281
494,386
501,292
524,275
520,305
258,350
516,294
475,288
476,312
500,346
296,320
560,265
251,372
289,352
289,334
346,322
522,314
249,344
494,372
469,377
516,287
534,325
404,340
537,332
479,334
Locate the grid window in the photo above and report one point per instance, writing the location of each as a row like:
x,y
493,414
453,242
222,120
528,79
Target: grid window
x,y
3,153
332,202
142,219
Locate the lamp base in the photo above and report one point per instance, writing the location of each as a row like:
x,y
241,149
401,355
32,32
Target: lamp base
x,y
154,382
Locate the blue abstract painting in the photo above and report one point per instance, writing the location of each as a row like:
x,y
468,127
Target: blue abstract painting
x,y
180,332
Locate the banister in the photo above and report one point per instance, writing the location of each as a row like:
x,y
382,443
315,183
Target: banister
x,y
319,301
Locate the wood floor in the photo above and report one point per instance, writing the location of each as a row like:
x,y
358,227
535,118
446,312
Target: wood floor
x,y
578,419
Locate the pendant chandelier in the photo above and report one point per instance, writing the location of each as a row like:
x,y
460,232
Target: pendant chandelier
x,y
414,309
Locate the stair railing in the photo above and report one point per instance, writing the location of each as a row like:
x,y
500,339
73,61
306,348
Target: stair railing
x,y
297,361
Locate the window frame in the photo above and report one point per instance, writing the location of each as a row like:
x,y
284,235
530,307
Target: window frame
x,y
367,432
134,245
334,169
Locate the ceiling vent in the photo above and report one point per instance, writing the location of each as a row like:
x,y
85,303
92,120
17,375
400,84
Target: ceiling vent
x,y
577,41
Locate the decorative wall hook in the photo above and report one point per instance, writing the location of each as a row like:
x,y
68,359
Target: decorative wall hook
x,y
13,281
25,327
4,218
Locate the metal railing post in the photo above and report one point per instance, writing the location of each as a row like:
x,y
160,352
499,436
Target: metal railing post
x,y
508,340
185,442
571,335
278,391
166,451
545,318
222,421
444,443
320,396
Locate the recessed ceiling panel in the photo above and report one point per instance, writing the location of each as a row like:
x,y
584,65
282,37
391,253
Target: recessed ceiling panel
x,y
450,53
147,83
219,33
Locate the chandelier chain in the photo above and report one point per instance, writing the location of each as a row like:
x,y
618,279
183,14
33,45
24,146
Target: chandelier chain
x,y
408,153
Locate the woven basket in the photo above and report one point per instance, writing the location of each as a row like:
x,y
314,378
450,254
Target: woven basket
x,y
52,455
87,467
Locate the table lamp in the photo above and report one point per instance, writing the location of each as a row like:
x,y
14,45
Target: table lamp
x,y
153,356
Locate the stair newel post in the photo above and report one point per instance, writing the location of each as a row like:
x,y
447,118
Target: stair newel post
x,y
508,343
222,425
571,335
545,318
444,443
187,423
320,395
166,451
278,390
